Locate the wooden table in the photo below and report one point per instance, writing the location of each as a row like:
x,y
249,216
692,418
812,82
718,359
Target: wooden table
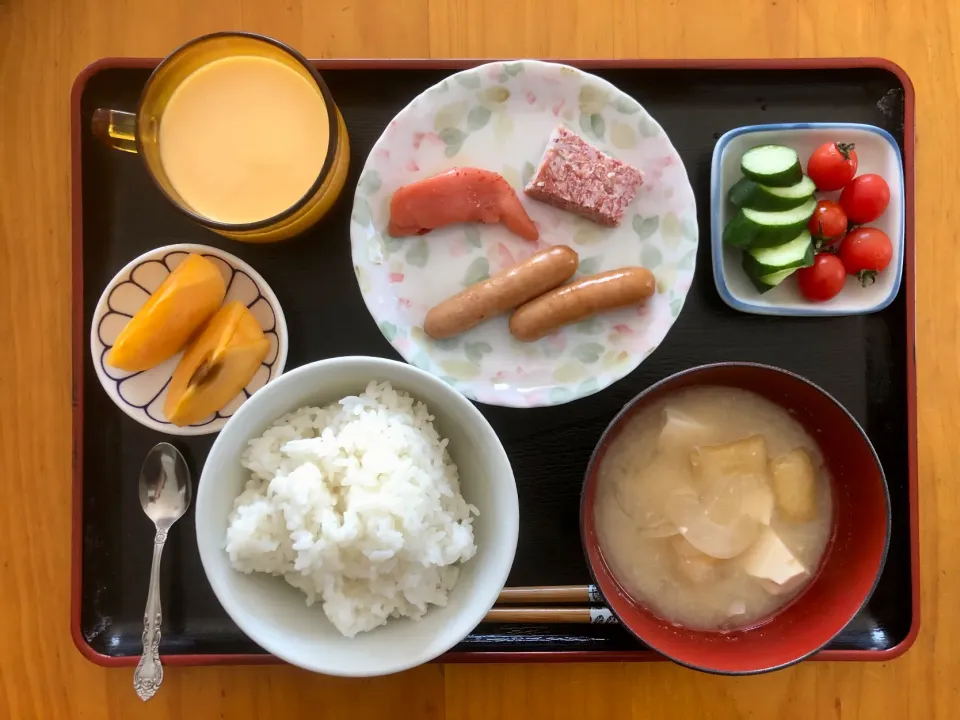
x,y
45,43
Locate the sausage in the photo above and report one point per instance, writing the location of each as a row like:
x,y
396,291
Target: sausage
x,y
581,299
504,291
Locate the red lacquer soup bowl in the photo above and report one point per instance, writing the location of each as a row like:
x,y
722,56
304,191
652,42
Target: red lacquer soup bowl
x,y
850,567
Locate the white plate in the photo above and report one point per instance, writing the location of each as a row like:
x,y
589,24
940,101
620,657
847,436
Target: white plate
x,y
877,152
499,116
141,394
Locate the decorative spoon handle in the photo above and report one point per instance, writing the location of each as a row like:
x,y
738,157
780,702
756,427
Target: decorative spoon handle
x,y
149,673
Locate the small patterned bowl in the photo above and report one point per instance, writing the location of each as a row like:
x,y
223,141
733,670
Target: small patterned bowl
x,y
877,152
141,394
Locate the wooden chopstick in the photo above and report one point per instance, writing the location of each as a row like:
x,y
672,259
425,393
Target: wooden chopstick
x,y
558,615
516,598
546,595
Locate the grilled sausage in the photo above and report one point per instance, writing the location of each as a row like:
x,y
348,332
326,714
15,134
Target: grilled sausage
x,y
581,299
504,291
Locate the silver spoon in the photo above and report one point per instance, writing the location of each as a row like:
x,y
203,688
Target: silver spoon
x,y
165,493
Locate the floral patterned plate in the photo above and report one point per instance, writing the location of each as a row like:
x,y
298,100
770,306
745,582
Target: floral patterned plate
x,y
141,395
498,116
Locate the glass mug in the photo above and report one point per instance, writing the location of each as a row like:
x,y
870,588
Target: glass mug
x,y
139,132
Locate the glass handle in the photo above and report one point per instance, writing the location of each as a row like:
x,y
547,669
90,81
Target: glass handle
x,y
116,128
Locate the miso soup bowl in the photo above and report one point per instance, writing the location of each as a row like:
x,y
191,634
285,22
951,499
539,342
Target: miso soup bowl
x,y
848,571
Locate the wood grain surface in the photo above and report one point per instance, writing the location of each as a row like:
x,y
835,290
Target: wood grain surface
x,y
45,43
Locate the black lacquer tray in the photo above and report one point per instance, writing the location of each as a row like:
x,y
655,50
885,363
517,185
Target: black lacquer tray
x,y
866,362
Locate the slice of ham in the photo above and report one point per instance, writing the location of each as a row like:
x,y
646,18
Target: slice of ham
x,y
456,196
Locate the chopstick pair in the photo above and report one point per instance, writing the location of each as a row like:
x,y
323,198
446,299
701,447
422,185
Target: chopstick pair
x,y
520,602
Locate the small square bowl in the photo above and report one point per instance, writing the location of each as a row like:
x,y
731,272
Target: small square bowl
x,y
877,152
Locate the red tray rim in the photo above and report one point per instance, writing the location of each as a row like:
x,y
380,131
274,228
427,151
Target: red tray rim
x,y
76,559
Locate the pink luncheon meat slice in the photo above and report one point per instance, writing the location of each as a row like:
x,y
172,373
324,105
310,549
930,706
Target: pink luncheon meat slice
x,y
575,176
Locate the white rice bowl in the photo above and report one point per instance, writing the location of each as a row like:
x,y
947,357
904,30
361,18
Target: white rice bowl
x,y
358,505
271,612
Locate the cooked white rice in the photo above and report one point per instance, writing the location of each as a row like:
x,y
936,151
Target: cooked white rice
x,y
358,505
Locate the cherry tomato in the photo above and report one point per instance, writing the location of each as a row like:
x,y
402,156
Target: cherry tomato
x,y
865,199
824,279
829,222
864,252
832,165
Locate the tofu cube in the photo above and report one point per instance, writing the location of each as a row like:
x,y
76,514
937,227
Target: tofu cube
x,y
772,563
680,431
794,484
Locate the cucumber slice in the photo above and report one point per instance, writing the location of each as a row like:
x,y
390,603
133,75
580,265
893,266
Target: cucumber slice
x,y
768,281
794,254
749,194
772,165
759,229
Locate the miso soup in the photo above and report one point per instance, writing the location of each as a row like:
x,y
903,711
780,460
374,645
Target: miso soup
x,y
713,508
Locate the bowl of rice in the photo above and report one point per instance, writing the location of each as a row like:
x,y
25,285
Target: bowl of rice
x,y
357,517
